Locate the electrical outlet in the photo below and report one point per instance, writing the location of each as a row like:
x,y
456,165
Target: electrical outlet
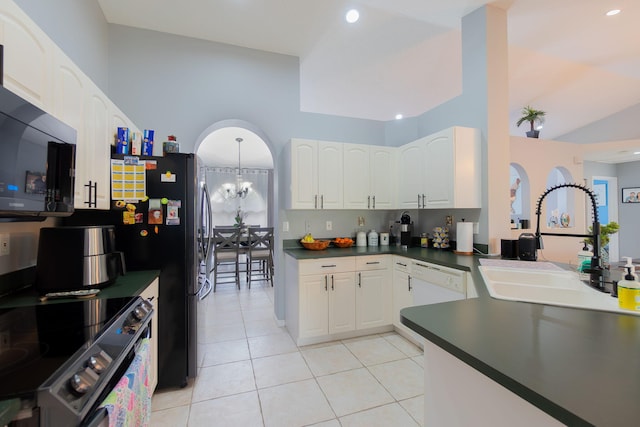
x,y
360,221
5,249
285,226
448,220
307,227
329,226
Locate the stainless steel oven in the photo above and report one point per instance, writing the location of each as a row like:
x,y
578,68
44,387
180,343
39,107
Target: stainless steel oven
x,y
59,361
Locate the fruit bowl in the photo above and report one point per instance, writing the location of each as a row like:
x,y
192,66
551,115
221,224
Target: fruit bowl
x,y
316,245
343,242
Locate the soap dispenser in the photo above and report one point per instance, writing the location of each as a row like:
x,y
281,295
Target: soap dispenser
x,y
629,288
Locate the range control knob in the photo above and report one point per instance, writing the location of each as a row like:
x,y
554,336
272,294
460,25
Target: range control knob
x,y
140,312
82,381
99,362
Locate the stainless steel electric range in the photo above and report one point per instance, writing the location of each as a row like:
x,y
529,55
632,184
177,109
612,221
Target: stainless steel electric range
x,y
59,360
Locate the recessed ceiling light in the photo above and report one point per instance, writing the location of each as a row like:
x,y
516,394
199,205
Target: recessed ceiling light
x,y
613,12
399,116
352,16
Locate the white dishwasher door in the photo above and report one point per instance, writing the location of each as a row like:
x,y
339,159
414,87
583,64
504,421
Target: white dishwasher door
x,y
434,284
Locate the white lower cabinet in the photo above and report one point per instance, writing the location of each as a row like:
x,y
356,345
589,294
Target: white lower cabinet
x,y
152,291
373,292
328,299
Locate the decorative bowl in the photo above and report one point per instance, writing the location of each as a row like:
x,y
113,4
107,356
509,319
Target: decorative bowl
x,y
316,245
343,242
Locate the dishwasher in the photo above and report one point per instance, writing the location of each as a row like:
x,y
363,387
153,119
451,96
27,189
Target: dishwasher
x,y
433,284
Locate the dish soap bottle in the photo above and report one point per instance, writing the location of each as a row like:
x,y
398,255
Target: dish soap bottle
x,y
584,259
629,288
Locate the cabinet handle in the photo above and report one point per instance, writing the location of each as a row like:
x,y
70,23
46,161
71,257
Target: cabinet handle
x,y
368,202
326,279
423,203
322,201
328,266
93,194
399,263
315,201
373,262
332,288
374,202
409,282
359,279
418,200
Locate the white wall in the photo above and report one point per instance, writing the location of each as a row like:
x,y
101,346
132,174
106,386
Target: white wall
x,y
538,157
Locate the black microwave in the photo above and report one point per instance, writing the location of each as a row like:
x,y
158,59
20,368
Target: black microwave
x,y
37,161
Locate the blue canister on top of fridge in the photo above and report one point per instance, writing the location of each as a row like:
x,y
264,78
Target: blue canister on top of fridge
x,y
147,142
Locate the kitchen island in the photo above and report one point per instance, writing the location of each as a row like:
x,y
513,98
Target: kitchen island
x,y
577,367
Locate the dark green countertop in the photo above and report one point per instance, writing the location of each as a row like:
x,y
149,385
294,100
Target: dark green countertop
x,y
580,366
131,284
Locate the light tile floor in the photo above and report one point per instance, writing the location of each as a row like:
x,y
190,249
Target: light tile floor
x,y
253,374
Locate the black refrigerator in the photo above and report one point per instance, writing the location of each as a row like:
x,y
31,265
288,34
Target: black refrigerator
x,y
161,234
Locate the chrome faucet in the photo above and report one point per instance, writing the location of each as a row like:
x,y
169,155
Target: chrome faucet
x,y
596,276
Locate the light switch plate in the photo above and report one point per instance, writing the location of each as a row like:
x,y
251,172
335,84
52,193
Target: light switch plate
x,y
285,226
329,226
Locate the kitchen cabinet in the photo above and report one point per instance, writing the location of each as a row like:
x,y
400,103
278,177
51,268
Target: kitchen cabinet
x,y
326,289
373,292
411,181
316,174
152,292
28,54
452,161
402,295
335,298
441,170
93,164
369,176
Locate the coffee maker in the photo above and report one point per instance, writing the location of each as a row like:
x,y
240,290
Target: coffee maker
x,y
405,230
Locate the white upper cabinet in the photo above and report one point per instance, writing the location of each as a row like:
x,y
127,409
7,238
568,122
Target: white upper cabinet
x,y
27,56
411,175
369,176
316,175
37,70
452,169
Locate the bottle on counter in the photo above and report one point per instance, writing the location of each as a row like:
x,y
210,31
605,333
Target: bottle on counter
x,y
629,289
361,239
584,258
372,238
424,240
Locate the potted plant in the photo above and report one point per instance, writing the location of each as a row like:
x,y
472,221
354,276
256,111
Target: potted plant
x,y
532,116
605,231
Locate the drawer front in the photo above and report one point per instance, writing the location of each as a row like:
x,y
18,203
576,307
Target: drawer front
x,y
402,264
326,265
375,262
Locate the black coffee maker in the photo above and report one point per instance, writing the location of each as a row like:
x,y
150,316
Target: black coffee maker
x,y
527,247
405,230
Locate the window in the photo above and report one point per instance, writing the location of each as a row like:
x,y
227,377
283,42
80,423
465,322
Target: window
x,y
560,203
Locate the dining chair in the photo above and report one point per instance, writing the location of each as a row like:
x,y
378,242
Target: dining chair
x,y
226,242
260,254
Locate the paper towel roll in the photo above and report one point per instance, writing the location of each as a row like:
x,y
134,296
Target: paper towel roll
x,y
464,237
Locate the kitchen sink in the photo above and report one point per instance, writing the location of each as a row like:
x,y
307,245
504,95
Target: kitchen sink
x,y
561,288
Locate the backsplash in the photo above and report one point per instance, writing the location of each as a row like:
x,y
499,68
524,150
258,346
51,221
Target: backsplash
x,y
23,244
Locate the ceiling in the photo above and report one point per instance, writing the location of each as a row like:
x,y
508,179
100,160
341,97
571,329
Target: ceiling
x,y
404,56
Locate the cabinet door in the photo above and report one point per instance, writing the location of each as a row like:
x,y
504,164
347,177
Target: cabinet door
x,y
314,305
402,294
304,174
342,302
373,299
357,194
382,177
330,175
28,54
70,86
99,150
410,175
439,170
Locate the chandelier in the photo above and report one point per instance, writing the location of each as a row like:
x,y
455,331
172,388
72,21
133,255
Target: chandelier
x,y
240,189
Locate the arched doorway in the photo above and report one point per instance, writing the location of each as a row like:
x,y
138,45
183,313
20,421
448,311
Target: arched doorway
x,y
237,165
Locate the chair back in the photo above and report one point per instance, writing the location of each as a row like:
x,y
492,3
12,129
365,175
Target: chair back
x,y
260,239
226,239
